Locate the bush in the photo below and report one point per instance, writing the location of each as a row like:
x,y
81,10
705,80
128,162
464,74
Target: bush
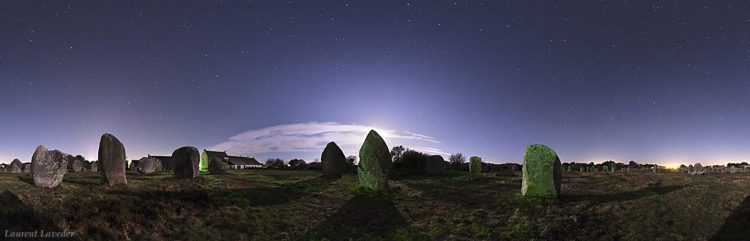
x,y
317,166
411,162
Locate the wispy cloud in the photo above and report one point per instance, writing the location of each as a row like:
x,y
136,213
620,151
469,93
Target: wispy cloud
x,y
313,137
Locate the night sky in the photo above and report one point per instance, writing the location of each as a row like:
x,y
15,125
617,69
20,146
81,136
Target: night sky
x,y
651,81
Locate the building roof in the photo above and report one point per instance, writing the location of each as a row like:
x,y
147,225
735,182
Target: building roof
x,y
222,155
161,157
238,160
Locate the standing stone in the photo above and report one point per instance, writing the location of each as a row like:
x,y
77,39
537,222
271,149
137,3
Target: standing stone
x,y
475,165
333,161
698,169
733,170
48,167
77,165
148,165
27,168
605,169
690,169
94,166
186,162
374,162
15,166
111,160
216,166
542,172
581,169
435,165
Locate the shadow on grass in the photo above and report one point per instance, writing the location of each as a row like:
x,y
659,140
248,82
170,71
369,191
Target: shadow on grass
x,y
97,182
466,191
15,216
654,189
27,179
363,217
737,225
254,196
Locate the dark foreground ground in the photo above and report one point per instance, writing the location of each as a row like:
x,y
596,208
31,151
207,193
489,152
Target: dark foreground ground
x,y
301,205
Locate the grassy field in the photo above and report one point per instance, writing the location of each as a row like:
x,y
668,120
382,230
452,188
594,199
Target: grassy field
x,y
302,205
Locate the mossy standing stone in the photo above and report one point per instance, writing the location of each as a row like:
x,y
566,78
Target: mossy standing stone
x,y
77,165
48,167
186,161
111,160
148,165
475,165
374,162
333,161
15,166
217,166
542,172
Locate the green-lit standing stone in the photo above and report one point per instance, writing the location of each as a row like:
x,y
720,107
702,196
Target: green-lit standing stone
x,y
475,165
374,162
542,172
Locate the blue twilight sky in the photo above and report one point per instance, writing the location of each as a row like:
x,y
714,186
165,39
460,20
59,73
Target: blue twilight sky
x,y
651,81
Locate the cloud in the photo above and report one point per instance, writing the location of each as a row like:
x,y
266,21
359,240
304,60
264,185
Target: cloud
x,y
312,137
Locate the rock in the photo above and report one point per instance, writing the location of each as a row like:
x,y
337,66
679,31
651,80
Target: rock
x,y
111,163
333,161
94,166
475,165
580,169
733,170
148,165
605,169
27,168
77,165
217,166
435,165
48,167
542,172
186,161
374,162
15,166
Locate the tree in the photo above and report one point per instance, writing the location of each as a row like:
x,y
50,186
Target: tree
x,y
297,164
456,160
351,162
275,163
397,152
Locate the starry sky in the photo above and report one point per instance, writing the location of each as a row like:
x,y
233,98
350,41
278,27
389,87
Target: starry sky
x,y
651,81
